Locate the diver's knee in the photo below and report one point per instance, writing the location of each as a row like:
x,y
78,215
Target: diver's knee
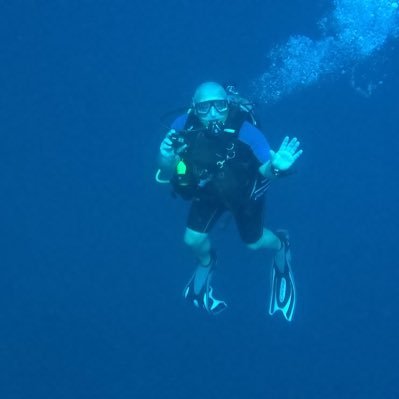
x,y
257,244
194,238
254,245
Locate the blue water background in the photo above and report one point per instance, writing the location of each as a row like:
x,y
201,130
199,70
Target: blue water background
x,y
92,263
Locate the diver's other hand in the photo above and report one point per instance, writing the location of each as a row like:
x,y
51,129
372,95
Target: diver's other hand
x,y
166,148
287,154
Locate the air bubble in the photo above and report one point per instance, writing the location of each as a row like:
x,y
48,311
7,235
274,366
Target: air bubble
x,y
357,30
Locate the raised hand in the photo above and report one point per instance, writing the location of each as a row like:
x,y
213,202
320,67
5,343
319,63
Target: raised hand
x,y
286,155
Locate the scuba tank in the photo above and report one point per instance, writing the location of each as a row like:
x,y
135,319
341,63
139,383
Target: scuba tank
x,y
242,103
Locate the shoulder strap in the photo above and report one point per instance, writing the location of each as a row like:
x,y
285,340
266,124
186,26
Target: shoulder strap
x,y
235,119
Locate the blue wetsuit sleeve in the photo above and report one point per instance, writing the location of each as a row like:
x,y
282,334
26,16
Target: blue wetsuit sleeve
x,y
179,122
253,137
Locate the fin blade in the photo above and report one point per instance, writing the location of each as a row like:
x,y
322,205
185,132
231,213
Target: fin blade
x,y
283,294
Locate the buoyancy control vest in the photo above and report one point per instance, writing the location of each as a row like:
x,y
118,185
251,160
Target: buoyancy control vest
x,y
216,166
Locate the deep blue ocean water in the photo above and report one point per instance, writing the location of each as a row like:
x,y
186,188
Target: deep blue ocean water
x,y
92,262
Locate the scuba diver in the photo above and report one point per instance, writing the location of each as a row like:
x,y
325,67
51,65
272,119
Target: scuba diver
x,y
215,157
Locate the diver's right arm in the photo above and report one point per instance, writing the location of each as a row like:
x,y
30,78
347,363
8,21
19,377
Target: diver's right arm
x,y
168,158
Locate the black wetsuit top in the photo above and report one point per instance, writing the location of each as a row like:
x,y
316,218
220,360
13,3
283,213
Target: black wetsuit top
x,y
225,166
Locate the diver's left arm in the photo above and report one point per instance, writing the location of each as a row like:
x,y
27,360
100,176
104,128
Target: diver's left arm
x,y
281,161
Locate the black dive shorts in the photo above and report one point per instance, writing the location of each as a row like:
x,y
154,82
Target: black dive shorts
x,y
204,213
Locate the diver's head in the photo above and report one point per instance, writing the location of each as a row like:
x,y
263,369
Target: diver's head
x,y
210,103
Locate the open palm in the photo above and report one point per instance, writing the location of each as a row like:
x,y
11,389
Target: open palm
x,y
287,154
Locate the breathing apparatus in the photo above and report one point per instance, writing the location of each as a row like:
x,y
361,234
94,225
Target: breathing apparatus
x,y
214,128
